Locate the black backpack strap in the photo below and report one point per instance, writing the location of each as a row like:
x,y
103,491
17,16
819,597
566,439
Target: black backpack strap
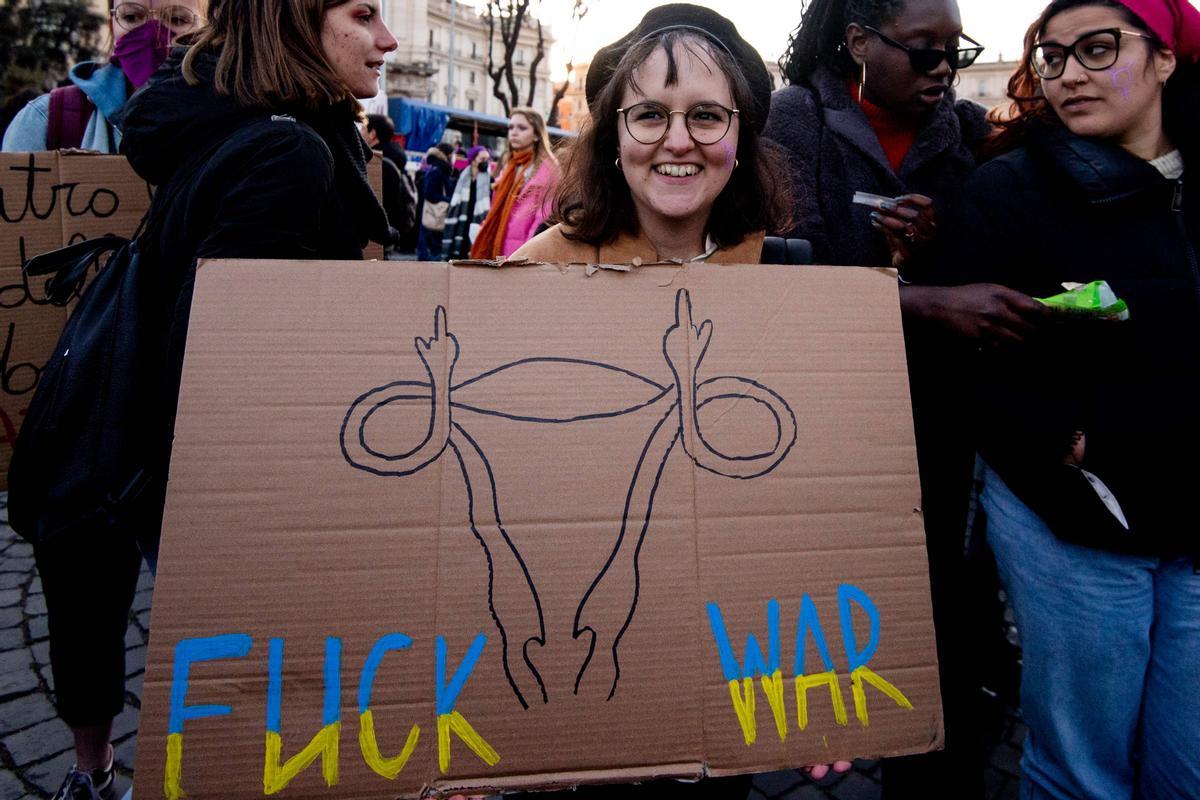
x,y
781,250
70,265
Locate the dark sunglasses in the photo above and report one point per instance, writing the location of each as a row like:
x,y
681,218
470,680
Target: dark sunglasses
x,y
927,59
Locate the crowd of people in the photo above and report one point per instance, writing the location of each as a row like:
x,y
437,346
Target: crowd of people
x,y
1065,428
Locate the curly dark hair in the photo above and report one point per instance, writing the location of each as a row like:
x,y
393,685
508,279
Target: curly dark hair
x,y
1028,109
820,38
593,198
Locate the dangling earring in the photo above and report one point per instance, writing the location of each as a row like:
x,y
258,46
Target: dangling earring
x,y
617,163
862,82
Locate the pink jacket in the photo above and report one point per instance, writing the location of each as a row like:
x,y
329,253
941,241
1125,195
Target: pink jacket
x,y
531,208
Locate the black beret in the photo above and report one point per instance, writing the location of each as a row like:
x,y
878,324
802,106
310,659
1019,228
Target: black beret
x,y
701,21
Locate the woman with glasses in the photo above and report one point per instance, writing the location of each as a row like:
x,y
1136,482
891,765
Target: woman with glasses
x,y
80,115
524,188
1086,432
671,166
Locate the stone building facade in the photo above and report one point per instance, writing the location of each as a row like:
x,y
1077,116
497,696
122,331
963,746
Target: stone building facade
x,y
426,67
986,83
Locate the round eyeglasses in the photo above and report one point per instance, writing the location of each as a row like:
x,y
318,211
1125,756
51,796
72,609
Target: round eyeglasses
x,y
706,123
178,19
1094,50
927,59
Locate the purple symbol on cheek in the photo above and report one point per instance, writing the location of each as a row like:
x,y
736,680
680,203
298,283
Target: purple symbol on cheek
x,y
730,153
1122,79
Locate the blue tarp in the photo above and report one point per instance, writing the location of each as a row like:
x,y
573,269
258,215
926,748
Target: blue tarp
x,y
421,124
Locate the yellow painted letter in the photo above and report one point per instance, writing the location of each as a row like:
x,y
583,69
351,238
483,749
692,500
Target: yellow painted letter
x,y
860,697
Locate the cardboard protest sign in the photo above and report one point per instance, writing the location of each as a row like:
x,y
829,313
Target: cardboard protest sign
x,y
49,200
436,527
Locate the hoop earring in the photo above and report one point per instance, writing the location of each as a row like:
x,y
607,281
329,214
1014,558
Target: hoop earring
x,y
617,163
862,82
735,163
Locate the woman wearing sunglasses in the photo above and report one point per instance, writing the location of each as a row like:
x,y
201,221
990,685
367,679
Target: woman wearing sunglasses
x,y
1087,430
870,108
80,115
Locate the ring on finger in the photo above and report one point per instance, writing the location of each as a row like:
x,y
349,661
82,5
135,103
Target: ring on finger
x,y
910,232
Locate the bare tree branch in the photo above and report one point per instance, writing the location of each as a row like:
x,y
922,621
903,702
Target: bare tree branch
x,y
496,72
505,21
533,65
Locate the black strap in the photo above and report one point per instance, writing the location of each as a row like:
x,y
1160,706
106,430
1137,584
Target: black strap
x,y
70,266
781,250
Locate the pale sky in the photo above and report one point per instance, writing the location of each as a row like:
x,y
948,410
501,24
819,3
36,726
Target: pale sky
x,y
998,24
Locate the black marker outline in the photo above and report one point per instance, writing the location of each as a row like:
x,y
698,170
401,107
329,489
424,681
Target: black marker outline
x,y
460,442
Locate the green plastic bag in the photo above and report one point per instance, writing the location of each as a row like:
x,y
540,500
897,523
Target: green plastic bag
x,y
1095,300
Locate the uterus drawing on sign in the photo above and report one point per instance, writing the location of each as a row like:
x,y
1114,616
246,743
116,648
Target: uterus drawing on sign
x,y
609,602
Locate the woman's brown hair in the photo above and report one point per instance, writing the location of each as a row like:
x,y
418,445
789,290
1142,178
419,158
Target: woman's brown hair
x,y
1028,108
269,54
593,198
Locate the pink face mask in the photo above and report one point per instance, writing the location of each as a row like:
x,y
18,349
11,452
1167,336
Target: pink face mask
x,y
141,51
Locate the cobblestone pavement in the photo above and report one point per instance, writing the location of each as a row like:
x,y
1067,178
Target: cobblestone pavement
x,y
35,747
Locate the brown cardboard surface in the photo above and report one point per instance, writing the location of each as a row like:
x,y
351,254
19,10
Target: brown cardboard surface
x,y
558,505
49,200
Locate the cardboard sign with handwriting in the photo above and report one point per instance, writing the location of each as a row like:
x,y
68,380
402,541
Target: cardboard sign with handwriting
x,y
440,528
49,200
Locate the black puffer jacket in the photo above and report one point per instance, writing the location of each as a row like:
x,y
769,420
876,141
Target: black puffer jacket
x,y
832,152
292,187
1065,208
237,182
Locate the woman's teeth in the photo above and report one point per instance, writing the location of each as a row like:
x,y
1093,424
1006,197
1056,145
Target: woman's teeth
x,y
677,170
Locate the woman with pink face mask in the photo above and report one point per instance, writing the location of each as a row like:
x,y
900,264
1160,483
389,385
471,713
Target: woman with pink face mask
x,y
80,115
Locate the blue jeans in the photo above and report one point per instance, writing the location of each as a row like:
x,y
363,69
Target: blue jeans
x,y
1110,687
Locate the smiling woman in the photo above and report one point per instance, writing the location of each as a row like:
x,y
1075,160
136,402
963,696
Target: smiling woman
x,y
349,38
671,165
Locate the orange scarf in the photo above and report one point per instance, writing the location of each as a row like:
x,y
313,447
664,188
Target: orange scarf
x,y
490,241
